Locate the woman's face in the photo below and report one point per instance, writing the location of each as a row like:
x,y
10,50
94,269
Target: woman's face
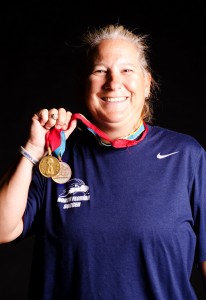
x,y
116,87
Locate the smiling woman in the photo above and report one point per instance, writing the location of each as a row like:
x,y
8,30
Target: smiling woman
x,y
117,88
130,221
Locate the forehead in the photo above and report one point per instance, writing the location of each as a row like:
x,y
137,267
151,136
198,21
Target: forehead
x,y
115,48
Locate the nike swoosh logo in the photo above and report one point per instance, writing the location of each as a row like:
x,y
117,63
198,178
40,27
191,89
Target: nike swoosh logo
x,y
160,156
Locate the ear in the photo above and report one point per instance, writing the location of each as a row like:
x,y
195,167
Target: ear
x,y
148,79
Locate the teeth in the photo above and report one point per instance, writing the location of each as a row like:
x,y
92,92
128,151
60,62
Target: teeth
x,y
114,99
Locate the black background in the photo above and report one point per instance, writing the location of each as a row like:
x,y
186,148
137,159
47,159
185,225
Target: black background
x,y
37,67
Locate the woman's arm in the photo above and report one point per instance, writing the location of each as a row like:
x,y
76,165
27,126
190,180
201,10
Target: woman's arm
x,y
14,185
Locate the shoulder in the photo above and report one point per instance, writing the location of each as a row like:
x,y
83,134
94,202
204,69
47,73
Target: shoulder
x,y
165,136
165,133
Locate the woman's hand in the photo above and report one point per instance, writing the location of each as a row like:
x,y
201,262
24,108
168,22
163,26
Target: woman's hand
x,y
42,122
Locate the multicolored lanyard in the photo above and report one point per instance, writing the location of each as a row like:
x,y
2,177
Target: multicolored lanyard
x,y
55,138
117,143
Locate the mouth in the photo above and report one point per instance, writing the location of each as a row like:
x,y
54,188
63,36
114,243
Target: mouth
x,y
114,99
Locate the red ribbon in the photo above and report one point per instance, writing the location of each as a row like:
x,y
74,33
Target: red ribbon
x,y
117,143
53,136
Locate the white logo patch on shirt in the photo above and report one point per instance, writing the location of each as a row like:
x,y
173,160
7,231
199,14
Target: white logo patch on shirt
x,y
72,196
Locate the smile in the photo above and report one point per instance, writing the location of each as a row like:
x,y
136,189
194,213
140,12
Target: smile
x,y
117,99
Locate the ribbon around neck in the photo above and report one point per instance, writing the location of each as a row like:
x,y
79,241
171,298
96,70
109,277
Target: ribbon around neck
x,y
116,143
55,138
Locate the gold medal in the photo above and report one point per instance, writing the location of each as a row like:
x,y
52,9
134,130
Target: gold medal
x,y
49,165
64,174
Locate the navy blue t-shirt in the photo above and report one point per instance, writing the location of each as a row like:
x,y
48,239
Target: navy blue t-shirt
x,y
128,225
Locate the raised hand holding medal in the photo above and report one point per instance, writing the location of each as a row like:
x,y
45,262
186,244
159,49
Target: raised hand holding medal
x,y
51,166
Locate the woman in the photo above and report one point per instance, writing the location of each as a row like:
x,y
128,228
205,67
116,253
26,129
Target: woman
x,y
117,205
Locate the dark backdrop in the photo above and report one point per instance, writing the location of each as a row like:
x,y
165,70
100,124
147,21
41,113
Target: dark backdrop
x,y
37,67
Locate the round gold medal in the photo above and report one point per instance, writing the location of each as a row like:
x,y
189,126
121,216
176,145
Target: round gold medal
x,y
64,174
49,166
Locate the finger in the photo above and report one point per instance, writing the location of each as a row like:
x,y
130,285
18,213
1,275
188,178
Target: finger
x,y
53,114
47,118
50,118
65,121
62,117
41,116
72,126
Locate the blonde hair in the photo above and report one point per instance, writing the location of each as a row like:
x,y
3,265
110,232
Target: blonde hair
x,y
93,37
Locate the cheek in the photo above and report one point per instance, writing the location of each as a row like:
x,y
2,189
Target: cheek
x,y
89,101
91,91
93,83
133,84
137,87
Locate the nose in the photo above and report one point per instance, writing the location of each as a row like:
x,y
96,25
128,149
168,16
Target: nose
x,y
113,82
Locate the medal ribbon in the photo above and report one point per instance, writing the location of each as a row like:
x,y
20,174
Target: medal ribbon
x,y
60,150
55,138
117,143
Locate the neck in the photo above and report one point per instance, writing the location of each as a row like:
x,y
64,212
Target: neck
x,y
133,134
122,133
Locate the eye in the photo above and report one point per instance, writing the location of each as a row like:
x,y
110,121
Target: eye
x,y
99,71
127,70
